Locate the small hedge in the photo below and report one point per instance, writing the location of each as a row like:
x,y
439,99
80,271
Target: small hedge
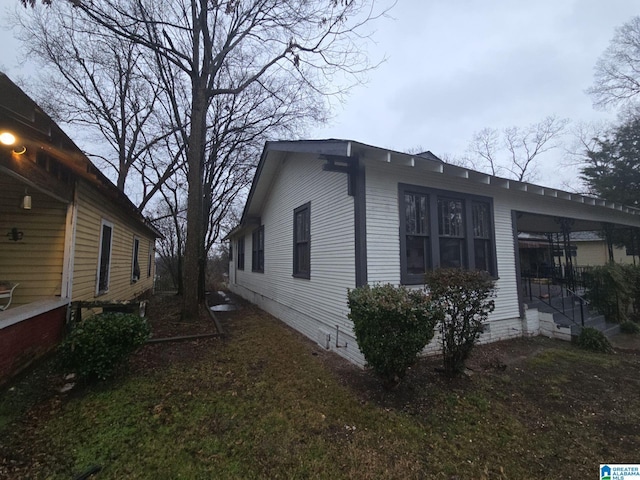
x,y
594,340
96,347
392,326
466,297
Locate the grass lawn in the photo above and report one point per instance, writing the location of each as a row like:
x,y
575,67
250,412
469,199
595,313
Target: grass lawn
x,y
267,403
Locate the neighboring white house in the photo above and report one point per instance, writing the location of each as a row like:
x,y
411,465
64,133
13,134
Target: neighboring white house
x,y
324,216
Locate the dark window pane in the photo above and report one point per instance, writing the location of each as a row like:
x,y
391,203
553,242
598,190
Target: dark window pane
x,y
240,254
105,258
302,241
452,253
416,214
418,259
450,217
480,213
482,254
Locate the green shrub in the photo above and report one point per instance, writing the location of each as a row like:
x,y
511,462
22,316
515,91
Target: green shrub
x,y
609,290
466,299
96,347
594,340
392,326
630,327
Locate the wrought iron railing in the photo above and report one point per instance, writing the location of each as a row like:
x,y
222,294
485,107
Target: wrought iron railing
x,y
561,290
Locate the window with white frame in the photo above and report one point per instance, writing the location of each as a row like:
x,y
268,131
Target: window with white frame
x,y
104,257
135,263
150,262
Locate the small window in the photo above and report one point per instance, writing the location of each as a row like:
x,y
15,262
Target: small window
x,y
302,241
150,264
135,264
257,250
104,257
240,256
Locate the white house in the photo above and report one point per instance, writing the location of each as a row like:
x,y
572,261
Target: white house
x,y
324,216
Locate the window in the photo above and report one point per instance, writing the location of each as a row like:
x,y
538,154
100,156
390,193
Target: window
x,y
302,241
104,257
150,264
451,233
418,245
444,229
482,244
240,256
135,264
257,250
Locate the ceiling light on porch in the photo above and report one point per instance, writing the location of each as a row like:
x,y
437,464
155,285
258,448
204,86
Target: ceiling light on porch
x,y
7,138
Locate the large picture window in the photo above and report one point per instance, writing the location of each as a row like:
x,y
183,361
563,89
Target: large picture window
x,y
104,257
257,250
302,241
444,229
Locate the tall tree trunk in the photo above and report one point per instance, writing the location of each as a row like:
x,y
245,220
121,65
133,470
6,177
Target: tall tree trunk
x,y
195,162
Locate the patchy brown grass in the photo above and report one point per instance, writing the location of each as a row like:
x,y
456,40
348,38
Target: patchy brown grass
x,y
267,403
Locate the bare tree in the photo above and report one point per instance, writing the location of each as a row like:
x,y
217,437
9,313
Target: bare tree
x,y
97,81
617,71
309,41
170,219
514,151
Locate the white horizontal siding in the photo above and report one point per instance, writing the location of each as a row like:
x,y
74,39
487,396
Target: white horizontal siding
x,y
321,301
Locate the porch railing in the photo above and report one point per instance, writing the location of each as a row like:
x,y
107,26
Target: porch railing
x,y
563,291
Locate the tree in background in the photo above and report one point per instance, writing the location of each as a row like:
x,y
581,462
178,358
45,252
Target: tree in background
x,y
103,84
513,152
617,71
612,166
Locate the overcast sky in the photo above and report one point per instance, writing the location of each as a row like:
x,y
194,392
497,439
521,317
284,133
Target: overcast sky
x,y
455,67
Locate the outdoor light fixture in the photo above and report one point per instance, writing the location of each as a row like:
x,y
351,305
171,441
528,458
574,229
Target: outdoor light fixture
x,y
15,235
7,138
26,201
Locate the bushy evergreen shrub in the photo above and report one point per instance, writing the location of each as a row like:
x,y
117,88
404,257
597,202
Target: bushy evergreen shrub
x,y
466,299
392,326
609,290
594,340
96,347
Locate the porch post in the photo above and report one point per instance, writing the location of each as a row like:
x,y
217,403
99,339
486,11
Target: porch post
x,y
565,226
608,234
